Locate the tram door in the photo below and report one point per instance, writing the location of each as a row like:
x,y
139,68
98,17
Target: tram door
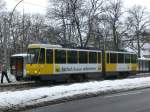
x,y
149,65
41,63
16,65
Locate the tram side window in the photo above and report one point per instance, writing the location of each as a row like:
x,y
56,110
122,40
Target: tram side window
x,y
113,58
60,56
49,56
33,55
127,58
120,58
83,56
149,65
42,56
139,63
133,58
92,57
99,57
108,61
146,64
143,64
72,56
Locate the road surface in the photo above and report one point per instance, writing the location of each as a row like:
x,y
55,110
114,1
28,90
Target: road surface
x,y
133,101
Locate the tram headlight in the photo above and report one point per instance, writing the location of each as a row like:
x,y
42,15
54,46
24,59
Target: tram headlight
x,y
28,72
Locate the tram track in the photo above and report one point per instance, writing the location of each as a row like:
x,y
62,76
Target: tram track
x,y
17,86
22,86
30,85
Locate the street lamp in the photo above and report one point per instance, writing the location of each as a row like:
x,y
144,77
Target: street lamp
x,y
11,14
6,28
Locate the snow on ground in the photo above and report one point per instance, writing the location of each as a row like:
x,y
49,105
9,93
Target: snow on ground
x,y
33,96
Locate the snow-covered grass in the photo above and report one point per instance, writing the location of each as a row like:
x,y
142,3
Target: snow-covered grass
x,y
11,99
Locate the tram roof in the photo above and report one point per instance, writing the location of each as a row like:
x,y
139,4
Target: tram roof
x,y
123,52
146,59
43,46
19,55
49,46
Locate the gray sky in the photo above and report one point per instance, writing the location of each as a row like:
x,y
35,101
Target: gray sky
x,y
39,6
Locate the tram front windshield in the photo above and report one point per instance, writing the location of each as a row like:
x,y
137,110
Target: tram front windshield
x,y
33,54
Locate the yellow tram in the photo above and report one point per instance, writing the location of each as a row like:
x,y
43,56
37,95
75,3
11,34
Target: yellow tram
x,y
54,62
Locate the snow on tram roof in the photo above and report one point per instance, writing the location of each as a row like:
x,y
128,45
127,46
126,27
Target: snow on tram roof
x,y
19,55
146,59
44,46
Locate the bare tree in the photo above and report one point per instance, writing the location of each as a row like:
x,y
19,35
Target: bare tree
x,y
37,27
68,15
78,19
2,15
93,11
138,22
113,14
